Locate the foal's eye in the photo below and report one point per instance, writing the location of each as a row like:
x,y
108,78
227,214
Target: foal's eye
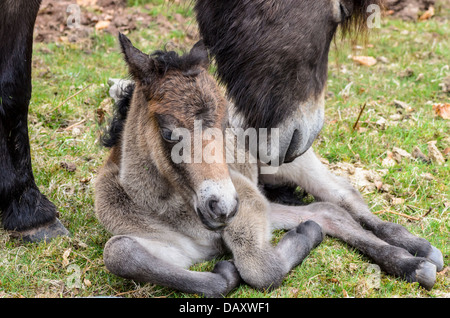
x,y
168,135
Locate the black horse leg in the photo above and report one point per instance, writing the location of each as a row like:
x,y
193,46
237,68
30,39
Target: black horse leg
x,y
25,211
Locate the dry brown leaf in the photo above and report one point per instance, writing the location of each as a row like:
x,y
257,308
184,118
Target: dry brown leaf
x,y
378,185
427,176
365,60
418,154
442,110
66,254
399,153
446,151
389,160
397,201
86,3
102,25
344,293
69,166
427,14
434,153
403,105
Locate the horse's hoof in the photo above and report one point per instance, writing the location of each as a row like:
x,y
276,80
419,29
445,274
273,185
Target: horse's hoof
x,y
426,275
435,257
312,230
229,272
43,233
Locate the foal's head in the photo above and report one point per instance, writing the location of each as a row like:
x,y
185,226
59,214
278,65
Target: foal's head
x,y
180,105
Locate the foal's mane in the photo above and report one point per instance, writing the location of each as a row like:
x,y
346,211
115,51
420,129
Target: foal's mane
x,y
187,63
164,61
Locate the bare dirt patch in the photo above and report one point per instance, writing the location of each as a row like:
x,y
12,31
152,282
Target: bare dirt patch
x,y
70,21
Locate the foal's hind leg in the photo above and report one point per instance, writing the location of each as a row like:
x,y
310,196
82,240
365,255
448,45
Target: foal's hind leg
x,y
337,222
260,264
155,262
310,174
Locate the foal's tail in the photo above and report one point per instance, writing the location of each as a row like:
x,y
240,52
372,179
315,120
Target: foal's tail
x,y
112,133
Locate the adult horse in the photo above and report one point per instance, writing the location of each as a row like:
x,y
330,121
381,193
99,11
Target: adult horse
x,y
273,57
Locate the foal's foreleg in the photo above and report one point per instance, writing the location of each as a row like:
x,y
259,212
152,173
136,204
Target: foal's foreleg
x,y
260,264
337,222
310,174
139,259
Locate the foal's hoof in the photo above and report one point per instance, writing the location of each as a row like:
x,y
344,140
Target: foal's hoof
x,y
231,276
435,257
43,233
312,230
426,275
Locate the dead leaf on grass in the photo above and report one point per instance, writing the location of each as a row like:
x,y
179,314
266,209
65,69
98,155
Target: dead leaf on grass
x,y
86,3
403,105
397,201
389,160
87,282
364,180
69,166
365,60
418,154
434,153
446,151
427,14
100,25
399,153
66,254
427,176
442,110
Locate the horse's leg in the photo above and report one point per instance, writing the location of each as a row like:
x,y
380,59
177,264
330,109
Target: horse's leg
x,y
310,174
25,211
337,222
163,263
260,264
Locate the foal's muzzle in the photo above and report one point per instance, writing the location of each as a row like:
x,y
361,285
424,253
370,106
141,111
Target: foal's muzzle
x,y
217,204
214,216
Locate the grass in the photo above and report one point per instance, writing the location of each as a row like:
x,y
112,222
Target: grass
x,y
70,94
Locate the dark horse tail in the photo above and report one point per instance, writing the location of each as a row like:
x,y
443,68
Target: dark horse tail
x,y
112,133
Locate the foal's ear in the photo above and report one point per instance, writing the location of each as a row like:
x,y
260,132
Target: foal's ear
x,y
140,65
200,53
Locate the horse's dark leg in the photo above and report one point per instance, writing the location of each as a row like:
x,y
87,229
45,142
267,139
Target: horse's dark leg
x,y
337,222
310,174
25,211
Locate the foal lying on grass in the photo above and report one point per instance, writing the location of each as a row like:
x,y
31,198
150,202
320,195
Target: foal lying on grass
x,y
166,216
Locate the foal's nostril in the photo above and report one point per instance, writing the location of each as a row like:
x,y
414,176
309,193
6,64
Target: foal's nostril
x,y
220,211
215,209
213,206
